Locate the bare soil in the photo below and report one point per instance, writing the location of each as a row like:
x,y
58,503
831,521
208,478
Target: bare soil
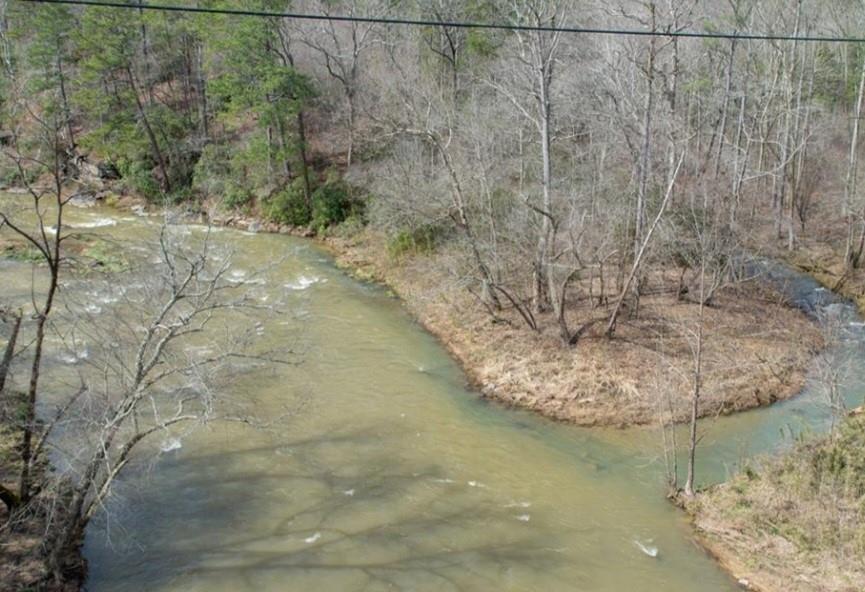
x,y
756,352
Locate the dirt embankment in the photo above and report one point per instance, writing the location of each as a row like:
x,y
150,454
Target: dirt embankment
x,y
756,351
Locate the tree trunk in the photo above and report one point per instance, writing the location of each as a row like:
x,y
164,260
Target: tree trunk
x,y
645,160
635,268
201,88
304,158
151,137
25,485
850,185
646,147
349,95
698,383
465,226
722,127
67,112
9,352
541,295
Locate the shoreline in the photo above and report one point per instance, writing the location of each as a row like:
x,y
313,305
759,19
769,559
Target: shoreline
x,y
770,527
458,341
513,385
353,261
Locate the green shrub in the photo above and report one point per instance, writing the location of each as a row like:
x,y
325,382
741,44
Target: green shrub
x,y
208,178
422,239
288,205
841,461
236,197
332,204
138,177
351,226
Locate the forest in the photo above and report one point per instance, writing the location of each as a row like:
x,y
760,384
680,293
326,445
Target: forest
x,y
580,217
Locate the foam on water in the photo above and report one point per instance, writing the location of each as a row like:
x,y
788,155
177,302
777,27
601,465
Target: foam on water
x,y
72,358
170,444
647,547
97,223
302,282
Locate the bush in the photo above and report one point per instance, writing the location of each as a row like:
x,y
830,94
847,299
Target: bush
x,y
138,177
213,170
350,227
422,239
236,197
288,205
332,204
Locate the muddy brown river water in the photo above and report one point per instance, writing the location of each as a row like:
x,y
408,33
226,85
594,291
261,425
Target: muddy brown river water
x,y
389,474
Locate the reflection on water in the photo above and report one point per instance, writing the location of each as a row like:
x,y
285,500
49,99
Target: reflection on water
x,y
382,472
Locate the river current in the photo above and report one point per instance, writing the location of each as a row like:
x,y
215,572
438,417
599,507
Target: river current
x,y
383,471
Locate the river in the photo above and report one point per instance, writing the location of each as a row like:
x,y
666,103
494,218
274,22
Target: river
x,y
385,472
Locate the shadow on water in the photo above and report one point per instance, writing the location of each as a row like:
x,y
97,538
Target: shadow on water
x,y
339,506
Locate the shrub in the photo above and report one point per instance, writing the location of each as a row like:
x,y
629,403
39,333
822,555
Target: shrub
x,y
209,176
332,204
236,197
288,205
351,226
138,177
422,239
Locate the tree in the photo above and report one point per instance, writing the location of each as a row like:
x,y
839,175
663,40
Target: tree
x,y
116,92
342,48
255,78
148,380
47,207
50,45
145,379
534,56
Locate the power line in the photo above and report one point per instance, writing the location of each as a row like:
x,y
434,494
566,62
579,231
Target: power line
x,y
459,24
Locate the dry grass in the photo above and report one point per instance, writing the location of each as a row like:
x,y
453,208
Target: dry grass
x,y
797,524
756,351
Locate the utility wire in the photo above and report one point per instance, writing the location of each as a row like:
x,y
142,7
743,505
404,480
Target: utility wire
x,y
459,24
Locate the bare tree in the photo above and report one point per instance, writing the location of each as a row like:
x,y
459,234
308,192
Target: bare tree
x,y
535,56
46,207
644,245
342,47
696,392
149,378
